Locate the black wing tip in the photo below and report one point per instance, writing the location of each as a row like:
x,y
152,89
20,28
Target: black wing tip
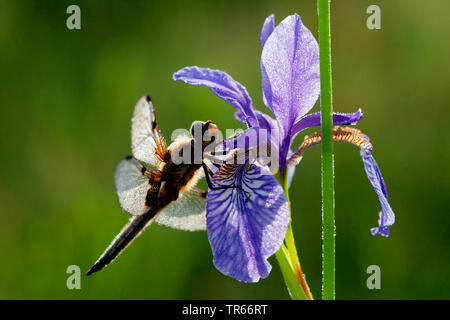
x,y
148,98
128,157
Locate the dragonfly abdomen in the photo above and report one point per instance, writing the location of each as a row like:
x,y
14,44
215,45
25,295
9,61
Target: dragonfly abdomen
x,y
129,232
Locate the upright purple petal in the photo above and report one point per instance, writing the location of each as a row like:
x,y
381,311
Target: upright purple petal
x,y
314,120
223,86
290,71
267,29
245,227
387,217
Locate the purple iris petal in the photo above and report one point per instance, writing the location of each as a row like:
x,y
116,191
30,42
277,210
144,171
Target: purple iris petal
x,y
273,134
264,120
223,86
267,29
266,136
246,139
387,217
313,120
239,116
290,72
245,228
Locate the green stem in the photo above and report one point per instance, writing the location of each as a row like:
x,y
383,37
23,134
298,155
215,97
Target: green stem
x,y
288,272
290,242
288,259
328,226
292,249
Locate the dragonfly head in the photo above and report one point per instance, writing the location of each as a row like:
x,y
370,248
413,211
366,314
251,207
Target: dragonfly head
x,y
204,132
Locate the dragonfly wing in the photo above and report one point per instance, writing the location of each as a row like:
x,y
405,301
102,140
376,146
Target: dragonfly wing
x,y
147,142
133,187
187,213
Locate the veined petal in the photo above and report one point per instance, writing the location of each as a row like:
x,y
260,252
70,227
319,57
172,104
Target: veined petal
x,y
223,86
387,217
314,119
267,29
247,224
290,71
359,139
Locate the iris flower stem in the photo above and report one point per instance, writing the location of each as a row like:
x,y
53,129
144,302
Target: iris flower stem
x,y
328,224
290,243
288,271
288,259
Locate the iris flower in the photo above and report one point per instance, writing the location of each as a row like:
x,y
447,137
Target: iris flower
x,y
247,222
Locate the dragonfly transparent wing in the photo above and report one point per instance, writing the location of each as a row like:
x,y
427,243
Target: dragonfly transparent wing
x,y
133,187
147,142
188,212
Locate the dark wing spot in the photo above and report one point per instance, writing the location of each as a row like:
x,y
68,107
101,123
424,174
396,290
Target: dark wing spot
x,y
154,124
147,98
128,157
203,194
143,169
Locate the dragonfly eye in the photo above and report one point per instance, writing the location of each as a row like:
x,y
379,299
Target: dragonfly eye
x,y
197,129
210,132
205,132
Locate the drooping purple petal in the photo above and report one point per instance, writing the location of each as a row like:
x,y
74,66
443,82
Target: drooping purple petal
x,y
245,228
267,29
290,71
387,217
223,86
313,120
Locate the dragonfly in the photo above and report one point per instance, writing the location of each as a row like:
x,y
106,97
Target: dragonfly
x,y
152,186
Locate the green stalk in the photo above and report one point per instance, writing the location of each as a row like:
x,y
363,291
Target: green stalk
x,y
292,249
328,225
288,259
290,242
288,272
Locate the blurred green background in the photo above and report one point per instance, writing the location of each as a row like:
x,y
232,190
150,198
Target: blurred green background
x,y
66,101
